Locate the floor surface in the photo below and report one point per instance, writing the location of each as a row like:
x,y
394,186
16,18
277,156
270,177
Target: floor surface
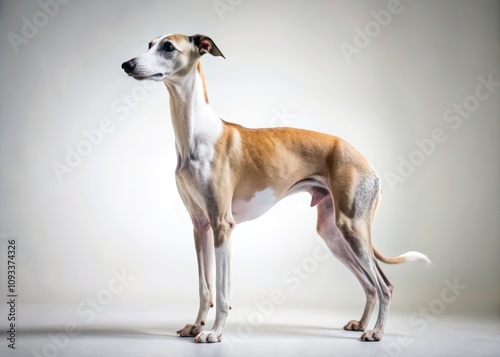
x,y
52,331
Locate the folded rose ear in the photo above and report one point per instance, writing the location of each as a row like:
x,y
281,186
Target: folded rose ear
x,y
206,45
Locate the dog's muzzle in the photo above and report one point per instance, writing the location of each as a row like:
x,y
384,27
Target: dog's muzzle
x,y
128,66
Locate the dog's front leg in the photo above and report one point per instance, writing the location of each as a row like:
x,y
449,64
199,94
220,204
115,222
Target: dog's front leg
x,y
204,244
222,232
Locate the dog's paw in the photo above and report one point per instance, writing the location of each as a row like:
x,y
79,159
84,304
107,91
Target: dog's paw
x,y
190,330
208,337
353,325
371,335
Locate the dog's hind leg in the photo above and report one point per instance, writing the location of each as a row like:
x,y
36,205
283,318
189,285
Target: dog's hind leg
x,y
357,236
339,247
353,217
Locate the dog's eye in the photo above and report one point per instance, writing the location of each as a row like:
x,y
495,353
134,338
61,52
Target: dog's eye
x,y
168,47
150,45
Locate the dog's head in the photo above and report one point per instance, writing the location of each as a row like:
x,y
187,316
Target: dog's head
x,y
170,56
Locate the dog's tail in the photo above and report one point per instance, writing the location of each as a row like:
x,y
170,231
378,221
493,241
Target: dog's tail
x,y
403,258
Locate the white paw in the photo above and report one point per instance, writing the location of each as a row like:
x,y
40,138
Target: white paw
x,y
353,325
207,337
371,335
190,330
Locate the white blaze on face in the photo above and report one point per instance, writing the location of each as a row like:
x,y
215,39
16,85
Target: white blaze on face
x,y
157,63
259,204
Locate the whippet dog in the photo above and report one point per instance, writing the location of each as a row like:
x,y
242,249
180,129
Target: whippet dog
x,y
227,174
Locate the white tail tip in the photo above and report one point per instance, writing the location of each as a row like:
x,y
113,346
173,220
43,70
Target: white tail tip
x,y
414,256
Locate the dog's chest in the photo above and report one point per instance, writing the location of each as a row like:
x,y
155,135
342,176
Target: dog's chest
x,y
246,210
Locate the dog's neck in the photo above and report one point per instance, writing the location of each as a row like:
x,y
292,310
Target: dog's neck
x,y
196,126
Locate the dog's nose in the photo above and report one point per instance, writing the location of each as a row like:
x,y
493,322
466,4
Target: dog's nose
x,y
128,66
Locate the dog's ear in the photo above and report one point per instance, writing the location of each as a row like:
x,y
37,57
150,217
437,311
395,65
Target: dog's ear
x,y
206,45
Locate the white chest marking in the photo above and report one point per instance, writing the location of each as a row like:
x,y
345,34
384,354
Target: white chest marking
x,y
259,204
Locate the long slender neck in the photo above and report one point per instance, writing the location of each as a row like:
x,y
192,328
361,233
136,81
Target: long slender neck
x,y
194,121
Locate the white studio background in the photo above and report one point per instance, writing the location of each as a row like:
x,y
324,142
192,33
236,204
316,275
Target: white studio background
x,y
286,64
